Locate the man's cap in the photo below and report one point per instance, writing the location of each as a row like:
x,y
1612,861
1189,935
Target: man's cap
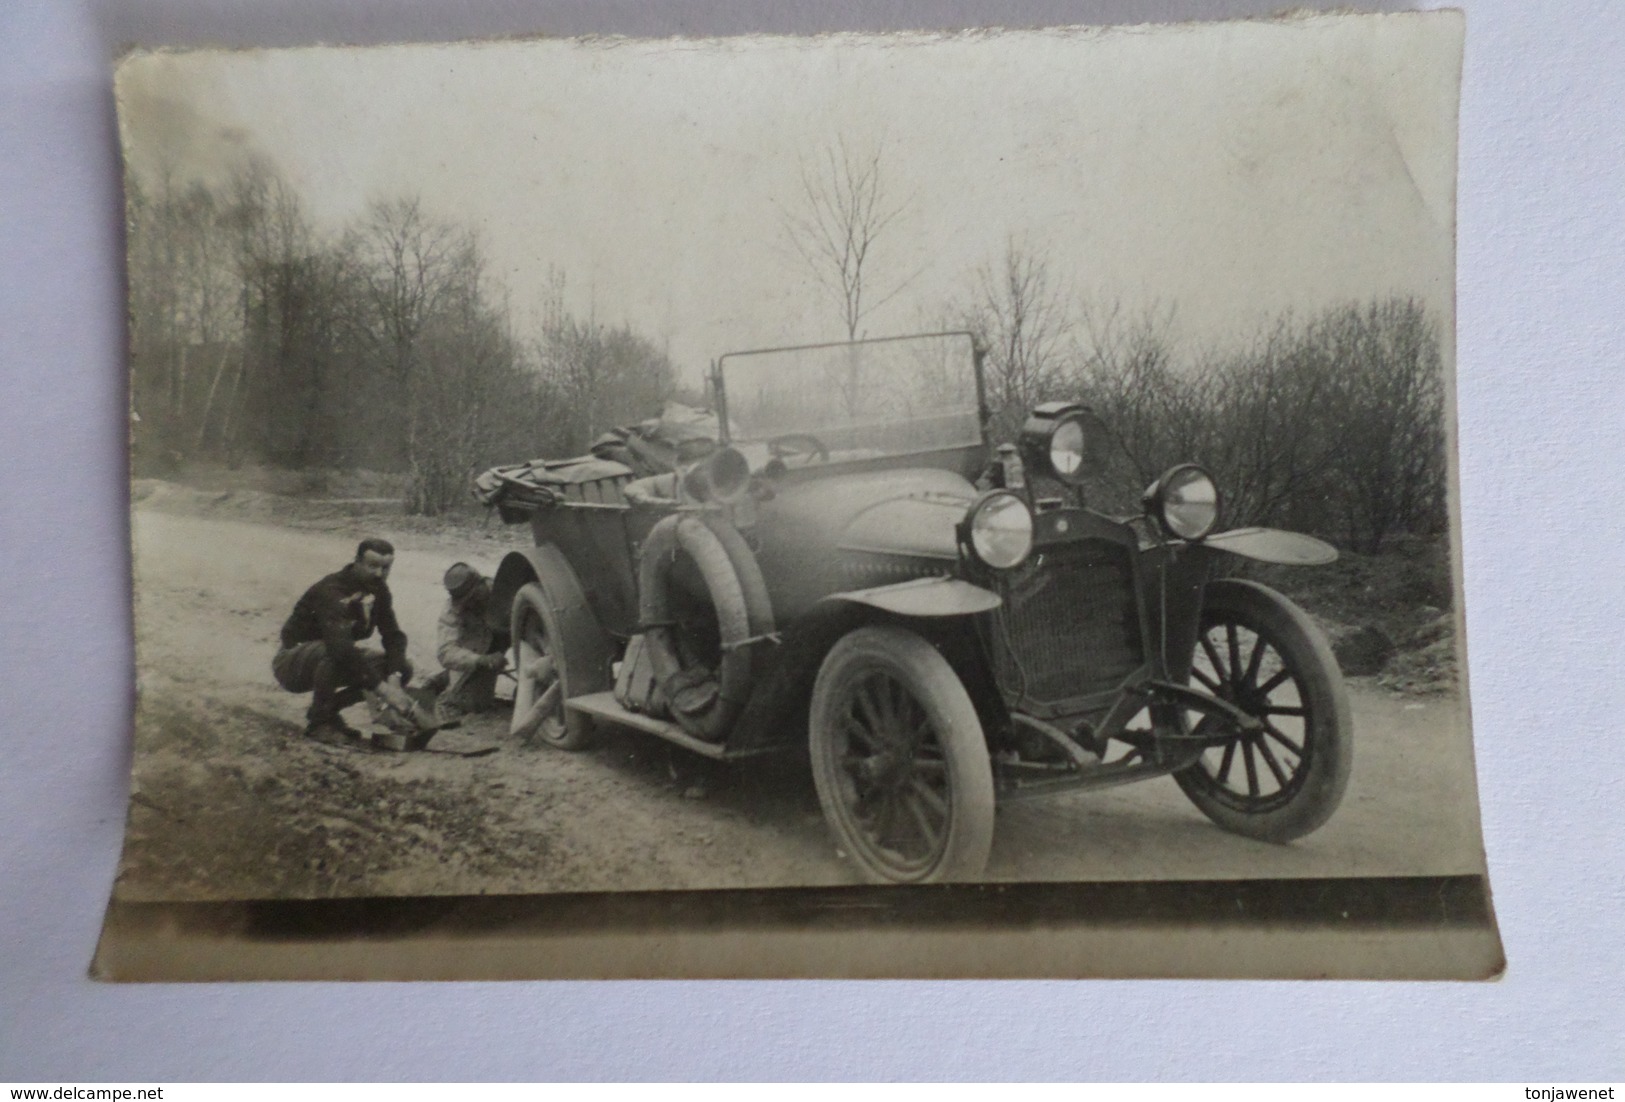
x,y
461,580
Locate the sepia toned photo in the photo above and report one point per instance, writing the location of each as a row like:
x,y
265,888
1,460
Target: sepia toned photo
x,y
637,476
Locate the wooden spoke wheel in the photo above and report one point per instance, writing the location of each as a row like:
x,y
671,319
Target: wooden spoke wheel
x,y
899,760
1260,652
540,678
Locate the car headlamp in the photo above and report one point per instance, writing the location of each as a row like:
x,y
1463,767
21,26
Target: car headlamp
x,y
999,529
1063,440
1186,501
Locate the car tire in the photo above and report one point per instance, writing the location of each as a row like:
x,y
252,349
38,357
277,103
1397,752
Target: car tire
x,y
1262,653
540,671
899,760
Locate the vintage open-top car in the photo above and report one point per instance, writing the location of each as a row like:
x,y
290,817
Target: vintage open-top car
x,y
838,558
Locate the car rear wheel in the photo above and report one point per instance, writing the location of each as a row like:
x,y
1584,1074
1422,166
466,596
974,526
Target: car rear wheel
x,y
541,679
899,760
1259,651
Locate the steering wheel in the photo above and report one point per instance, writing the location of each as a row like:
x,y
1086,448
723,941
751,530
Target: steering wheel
x,y
799,443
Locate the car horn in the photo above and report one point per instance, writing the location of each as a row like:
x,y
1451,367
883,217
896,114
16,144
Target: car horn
x,y
723,476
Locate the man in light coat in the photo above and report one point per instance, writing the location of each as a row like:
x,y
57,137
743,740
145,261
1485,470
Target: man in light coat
x,y
470,649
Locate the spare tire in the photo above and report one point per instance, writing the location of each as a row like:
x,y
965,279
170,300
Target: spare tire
x,y
758,605
704,700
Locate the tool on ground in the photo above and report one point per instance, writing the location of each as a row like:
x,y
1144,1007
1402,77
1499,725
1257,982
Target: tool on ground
x,y
407,723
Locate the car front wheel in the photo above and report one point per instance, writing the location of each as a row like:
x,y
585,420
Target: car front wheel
x,y
1259,651
899,760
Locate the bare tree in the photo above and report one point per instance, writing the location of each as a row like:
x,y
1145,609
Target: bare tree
x,y
289,293
410,265
1274,413
839,216
471,376
1390,471
414,271
1334,424
1129,377
388,346
1019,317
183,307
268,239
602,375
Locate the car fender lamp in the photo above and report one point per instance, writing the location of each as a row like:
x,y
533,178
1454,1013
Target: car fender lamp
x,y
1065,441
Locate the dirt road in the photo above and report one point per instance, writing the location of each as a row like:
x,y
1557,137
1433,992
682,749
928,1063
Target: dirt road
x,y
229,802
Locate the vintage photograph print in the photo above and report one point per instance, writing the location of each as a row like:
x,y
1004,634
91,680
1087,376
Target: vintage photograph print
x,y
566,469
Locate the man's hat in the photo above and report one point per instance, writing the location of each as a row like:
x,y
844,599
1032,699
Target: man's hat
x,y
461,580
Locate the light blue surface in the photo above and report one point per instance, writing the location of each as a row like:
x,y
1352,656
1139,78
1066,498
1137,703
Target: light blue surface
x,y
1542,409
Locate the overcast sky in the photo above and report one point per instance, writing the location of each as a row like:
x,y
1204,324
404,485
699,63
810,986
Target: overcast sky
x,y
1230,171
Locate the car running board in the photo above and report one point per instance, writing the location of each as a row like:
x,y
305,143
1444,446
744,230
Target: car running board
x,y
604,706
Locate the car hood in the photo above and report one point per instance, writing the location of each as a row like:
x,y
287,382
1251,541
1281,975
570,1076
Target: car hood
x,y
899,512
917,521
814,532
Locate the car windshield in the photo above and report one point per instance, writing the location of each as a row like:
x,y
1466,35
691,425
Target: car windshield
x,y
867,399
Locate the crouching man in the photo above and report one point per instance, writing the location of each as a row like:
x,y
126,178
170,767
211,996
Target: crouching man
x,y
472,651
319,654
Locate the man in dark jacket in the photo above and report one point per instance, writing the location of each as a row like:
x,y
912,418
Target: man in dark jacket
x,y
319,653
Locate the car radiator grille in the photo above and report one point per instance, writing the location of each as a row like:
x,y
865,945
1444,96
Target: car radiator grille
x,y
1069,625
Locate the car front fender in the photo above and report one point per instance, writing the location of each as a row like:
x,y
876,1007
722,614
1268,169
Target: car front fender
x,y
924,597
1275,546
543,563
576,637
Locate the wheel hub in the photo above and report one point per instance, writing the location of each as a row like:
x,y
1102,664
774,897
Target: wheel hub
x,y
886,769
